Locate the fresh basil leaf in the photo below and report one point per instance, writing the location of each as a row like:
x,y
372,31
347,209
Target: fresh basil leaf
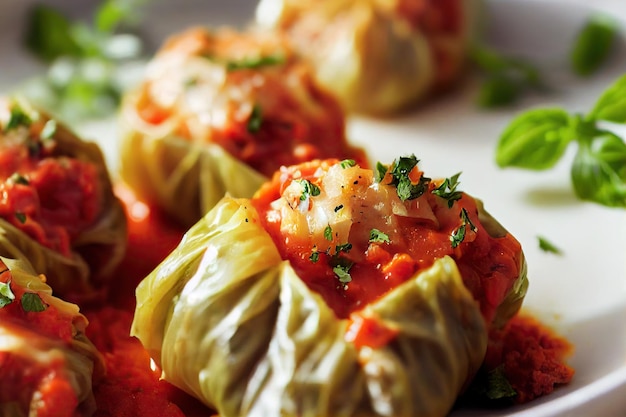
x,y
6,294
611,106
49,34
498,91
535,140
32,302
593,44
599,170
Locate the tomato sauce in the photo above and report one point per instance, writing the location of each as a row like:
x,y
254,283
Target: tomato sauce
x,y
50,198
489,265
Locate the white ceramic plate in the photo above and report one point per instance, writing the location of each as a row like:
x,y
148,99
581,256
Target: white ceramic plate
x,y
582,294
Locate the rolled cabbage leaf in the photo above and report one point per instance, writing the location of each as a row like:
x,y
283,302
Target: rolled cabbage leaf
x,y
46,361
231,323
94,249
218,112
378,56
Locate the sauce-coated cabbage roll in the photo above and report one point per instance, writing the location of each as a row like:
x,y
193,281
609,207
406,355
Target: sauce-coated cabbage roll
x,y
47,364
378,56
57,207
219,112
333,293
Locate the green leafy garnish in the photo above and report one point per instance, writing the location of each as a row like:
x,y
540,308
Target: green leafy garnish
x,y
376,236
342,271
6,294
506,79
18,178
381,171
537,140
447,189
32,303
21,217
315,256
255,63
400,179
345,247
593,44
328,233
347,163
256,119
339,207
458,235
18,118
308,189
493,385
85,76
547,246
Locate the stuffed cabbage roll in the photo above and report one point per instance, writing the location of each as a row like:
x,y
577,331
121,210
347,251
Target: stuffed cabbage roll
x,y
46,362
378,56
333,293
57,208
220,111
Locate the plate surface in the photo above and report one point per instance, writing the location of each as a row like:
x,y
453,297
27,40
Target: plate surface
x,y
581,294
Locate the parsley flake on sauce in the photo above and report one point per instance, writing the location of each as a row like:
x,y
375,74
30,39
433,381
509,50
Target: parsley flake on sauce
x,y
21,217
458,235
376,236
6,294
308,189
256,119
347,163
328,233
342,271
18,118
447,189
405,188
18,178
255,63
32,303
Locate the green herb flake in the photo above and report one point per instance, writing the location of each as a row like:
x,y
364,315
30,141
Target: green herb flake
x,y
6,294
458,235
308,189
49,129
447,190
32,303
547,246
405,188
18,178
347,163
18,118
255,120
342,272
21,217
339,207
255,63
315,256
376,236
381,171
346,247
328,233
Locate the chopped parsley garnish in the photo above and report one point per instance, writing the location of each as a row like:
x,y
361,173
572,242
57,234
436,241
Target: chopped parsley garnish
x,y
6,295
255,63
458,235
315,256
381,170
447,189
328,233
339,207
49,129
342,271
405,188
343,248
17,178
21,217
32,303
548,246
18,118
308,189
376,236
347,163
256,119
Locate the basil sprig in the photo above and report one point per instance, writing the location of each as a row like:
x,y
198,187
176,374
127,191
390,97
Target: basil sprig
x,y
593,44
537,139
